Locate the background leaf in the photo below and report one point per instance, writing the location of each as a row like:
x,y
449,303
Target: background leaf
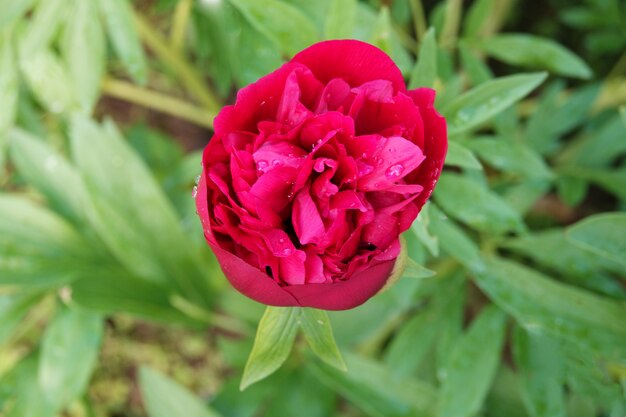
x,y
165,398
68,355
488,99
536,53
475,358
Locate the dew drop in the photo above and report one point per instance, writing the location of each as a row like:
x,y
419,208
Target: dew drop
x,y
262,166
379,161
281,240
394,171
277,163
194,192
364,155
197,179
287,251
392,149
365,169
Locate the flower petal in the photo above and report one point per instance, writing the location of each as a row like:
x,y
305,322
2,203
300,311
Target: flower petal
x,y
354,61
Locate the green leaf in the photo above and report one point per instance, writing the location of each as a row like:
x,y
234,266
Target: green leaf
x,y
477,71
412,342
282,23
23,223
454,241
460,156
256,56
475,358
603,235
371,387
27,399
49,80
540,362
340,19
536,53
43,25
83,49
553,118
614,181
424,72
475,205
120,25
541,304
481,103
319,334
164,397
131,214
381,34
48,171
510,156
575,264
13,10
9,85
13,308
69,352
523,196
109,290
421,228
476,17
274,338
597,149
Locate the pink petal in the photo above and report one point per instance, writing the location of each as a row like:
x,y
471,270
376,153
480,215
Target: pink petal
x,y
333,95
314,269
354,61
361,287
292,270
306,219
394,159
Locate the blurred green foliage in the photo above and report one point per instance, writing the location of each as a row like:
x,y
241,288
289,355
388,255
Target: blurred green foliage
x,y
512,303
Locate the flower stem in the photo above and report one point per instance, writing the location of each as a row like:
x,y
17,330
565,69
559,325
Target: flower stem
x,y
189,77
451,22
179,24
158,101
419,20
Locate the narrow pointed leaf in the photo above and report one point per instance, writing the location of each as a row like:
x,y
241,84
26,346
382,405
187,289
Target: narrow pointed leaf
x,y
341,19
69,352
164,397
481,103
319,334
540,362
536,53
603,235
474,358
542,304
83,49
425,71
120,25
273,342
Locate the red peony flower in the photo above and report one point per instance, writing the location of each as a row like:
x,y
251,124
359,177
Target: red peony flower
x,y
315,172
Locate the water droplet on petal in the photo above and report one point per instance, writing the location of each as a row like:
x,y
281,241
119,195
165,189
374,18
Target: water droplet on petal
x,y
262,166
281,240
379,161
392,149
276,163
197,179
194,192
364,155
394,171
365,169
287,251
